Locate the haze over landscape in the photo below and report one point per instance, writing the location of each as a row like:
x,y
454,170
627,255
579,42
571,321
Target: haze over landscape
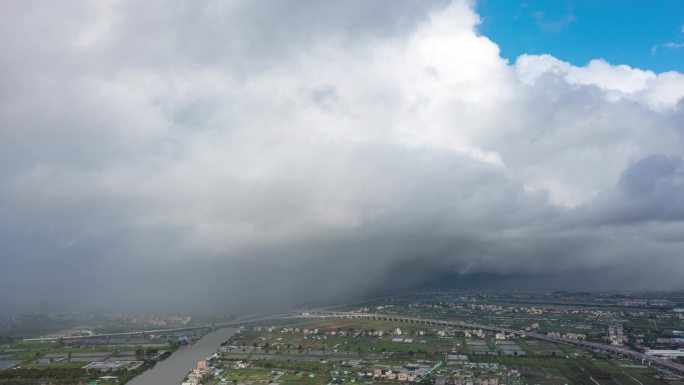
x,y
250,155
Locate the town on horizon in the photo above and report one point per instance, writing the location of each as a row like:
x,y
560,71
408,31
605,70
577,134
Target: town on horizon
x,y
458,337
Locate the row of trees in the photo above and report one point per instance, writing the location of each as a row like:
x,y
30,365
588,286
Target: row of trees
x,y
64,375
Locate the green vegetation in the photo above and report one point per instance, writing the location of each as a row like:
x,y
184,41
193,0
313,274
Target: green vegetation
x,y
345,352
54,362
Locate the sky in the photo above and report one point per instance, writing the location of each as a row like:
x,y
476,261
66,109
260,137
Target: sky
x,y
642,34
231,155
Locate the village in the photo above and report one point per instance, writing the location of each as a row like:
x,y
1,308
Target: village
x,y
377,352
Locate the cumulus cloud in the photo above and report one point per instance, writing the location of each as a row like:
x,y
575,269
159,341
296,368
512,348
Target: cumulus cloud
x,y
234,147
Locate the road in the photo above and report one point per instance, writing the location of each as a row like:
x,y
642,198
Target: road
x,y
612,350
228,324
593,346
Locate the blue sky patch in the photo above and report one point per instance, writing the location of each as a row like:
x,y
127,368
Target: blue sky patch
x,y
642,34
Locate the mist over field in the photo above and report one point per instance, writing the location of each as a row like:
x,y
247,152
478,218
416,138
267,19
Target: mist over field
x,y
254,155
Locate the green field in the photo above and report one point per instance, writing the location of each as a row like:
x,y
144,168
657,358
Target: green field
x,y
326,357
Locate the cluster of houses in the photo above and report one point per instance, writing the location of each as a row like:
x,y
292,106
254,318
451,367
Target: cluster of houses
x,y
240,364
636,302
408,373
468,380
357,332
571,336
469,333
199,373
501,336
533,310
616,335
306,331
472,373
533,326
575,336
474,332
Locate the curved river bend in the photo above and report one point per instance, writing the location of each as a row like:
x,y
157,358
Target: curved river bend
x,y
174,369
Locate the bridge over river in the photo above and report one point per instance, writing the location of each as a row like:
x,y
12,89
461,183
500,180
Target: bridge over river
x,y
314,314
139,333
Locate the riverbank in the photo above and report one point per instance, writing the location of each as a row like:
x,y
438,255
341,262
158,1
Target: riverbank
x,y
174,369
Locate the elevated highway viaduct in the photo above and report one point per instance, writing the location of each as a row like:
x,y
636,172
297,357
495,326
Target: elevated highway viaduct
x,y
314,314
593,346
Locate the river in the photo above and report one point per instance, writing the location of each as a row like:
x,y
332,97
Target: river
x,y
173,370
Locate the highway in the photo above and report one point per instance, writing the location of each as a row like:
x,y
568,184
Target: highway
x,y
119,335
233,323
608,349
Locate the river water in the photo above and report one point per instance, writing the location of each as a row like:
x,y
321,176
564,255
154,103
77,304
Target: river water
x,y
174,369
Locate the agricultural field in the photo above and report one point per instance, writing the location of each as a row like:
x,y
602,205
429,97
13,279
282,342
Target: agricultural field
x,y
377,352
648,319
58,363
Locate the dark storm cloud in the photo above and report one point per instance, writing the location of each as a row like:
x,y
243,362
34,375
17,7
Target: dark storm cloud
x,y
651,189
258,154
